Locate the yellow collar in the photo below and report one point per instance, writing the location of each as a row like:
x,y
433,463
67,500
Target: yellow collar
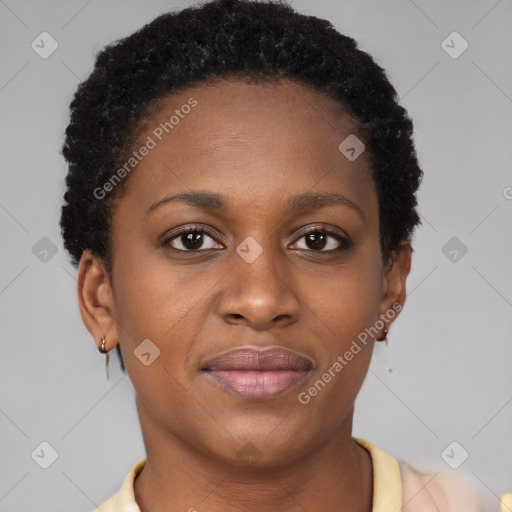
x,y
387,486
387,483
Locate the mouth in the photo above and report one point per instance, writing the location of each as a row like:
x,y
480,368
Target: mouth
x,y
256,373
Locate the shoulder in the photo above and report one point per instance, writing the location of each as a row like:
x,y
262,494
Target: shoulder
x,y
124,499
400,487
439,491
108,506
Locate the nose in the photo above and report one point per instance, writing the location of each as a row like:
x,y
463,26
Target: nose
x,y
259,294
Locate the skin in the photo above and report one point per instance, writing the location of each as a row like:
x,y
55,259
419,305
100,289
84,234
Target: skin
x,y
257,145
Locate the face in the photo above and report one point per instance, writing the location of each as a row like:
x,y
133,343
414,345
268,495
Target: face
x,y
280,249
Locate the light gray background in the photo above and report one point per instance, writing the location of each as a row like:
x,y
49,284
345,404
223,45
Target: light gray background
x,y
446,374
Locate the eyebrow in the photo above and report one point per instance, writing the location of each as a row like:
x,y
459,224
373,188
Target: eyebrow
x,y
301,203
204,200
309,202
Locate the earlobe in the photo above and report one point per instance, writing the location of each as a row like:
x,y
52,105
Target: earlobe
x,y
95,299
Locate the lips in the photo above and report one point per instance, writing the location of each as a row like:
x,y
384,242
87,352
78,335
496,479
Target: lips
x,y
257,374
259,359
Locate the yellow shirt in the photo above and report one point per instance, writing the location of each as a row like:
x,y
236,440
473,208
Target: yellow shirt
x,y
396,488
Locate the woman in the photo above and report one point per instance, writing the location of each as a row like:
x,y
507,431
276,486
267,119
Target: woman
x,y
240,204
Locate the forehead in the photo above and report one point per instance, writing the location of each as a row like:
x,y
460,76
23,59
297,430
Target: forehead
x,y
232,106
252,141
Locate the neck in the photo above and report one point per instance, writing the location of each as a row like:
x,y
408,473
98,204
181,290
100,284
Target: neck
x,y
336,476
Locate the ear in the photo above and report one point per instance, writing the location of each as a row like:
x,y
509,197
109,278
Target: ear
x,y
394,279
95,299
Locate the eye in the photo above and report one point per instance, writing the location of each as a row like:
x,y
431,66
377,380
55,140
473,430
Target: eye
x,y
324,240
192,238
198,238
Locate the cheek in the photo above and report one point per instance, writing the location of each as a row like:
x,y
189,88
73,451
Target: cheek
x,y
342,309
157,305
151,296
343,314
344,299
163,303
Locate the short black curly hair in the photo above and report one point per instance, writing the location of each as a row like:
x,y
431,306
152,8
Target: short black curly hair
x,y
249,40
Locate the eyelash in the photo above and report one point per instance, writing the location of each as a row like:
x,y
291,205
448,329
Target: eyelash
x,y
344,242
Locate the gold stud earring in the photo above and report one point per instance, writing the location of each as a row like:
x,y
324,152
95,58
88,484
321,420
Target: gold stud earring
x,y
384,336
103,350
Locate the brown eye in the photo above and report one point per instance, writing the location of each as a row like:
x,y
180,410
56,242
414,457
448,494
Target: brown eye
x,y
191,239
316,240
324,240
